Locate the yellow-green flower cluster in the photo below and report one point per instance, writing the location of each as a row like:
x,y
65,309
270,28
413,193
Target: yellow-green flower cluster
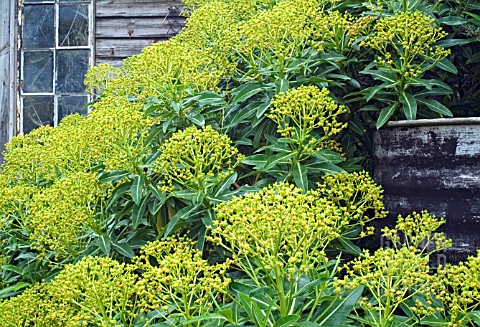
x,y
210,27
418,230
278,227
408,37
301,111
282,30
100,290
193,156
168,276
60,214
458,287
37,306
47,180
97,77
93,292
338,31
163,66
390,277
357,196
176,280
242,8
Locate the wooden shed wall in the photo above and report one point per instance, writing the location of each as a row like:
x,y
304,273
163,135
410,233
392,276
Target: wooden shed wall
x,y
124,27
7,72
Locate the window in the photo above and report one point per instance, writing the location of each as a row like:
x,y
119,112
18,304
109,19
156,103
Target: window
x,y
56,52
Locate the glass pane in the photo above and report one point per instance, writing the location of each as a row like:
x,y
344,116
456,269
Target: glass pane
x,y
37,111
38,71
38,28
72,65
73,25
72,1
71,104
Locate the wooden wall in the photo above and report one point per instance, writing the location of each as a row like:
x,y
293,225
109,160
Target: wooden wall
x,y
124,27
7,72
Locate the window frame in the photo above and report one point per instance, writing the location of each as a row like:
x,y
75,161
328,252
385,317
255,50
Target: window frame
x,y
20,68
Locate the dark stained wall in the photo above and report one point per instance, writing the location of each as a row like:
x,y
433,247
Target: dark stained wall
x,y
124,27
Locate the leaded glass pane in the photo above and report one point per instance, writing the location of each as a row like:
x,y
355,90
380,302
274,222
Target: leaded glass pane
x,y
39,26
37,111
71,104
73,25
72,65
37,72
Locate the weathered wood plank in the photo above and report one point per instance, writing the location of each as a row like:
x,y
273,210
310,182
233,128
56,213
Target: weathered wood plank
x,y
6,11
138,8
434,168
156,27
122,48
5,24
115,62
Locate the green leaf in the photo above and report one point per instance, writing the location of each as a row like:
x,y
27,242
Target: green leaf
x,y
308,324
246,91
136,189
281,158
324,168
370,107
409,105
281,86
386,113
475,316
382,75
331,56
309,288
197,119
208,317
14,288
258,160
244,114
156,193
180,216
337,315
262,108
225,184
436,106
452,20
13,268
372,91
138,212
328,156
349,246
447,65
433,91
300,176
287,321
452,42
103,242
118,192
112,176
211,98
124,249
434,322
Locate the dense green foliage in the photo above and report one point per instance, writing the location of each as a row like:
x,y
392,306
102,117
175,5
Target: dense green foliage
x,y
218,180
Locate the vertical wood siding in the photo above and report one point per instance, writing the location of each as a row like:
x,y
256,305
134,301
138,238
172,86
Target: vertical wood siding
x,y
7,72
124,27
